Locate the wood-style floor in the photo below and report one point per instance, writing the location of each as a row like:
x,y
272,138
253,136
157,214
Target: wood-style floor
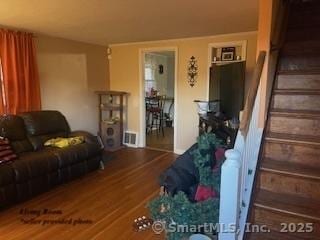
x,y
110,199
158,141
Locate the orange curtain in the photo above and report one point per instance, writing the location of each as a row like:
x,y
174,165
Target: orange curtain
x,y
20,73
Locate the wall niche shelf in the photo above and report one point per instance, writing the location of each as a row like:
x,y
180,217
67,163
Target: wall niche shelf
x,y
226,62
239,54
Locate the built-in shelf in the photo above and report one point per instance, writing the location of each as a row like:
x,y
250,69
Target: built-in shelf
x,y
226,62
239,51
112,107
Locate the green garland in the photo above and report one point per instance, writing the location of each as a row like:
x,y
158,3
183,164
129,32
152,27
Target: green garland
x,y
207,143
178,209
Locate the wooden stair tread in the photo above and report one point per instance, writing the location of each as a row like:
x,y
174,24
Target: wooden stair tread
x,y
287,183
288,204
301,48
290,168
295,113
292,138
297,91
298,72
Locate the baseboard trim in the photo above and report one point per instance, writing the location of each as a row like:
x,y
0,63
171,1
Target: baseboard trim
x,y
179,151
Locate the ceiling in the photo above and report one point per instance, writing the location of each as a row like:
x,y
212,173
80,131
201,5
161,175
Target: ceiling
x,y
105,22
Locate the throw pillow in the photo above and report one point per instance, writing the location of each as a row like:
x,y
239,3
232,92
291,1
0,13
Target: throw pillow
x,y
64,142
6,153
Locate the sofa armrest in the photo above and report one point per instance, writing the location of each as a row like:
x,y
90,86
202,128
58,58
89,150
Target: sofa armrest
x,y
88,137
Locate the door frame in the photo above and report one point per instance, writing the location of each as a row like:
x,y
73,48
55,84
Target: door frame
x,y
142,132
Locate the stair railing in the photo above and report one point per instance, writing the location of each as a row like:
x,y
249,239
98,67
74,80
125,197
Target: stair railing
x,y
238,170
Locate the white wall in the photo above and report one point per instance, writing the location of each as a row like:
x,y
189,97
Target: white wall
x,y
70,72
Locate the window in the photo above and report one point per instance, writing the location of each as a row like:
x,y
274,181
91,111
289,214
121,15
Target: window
x,y
149,77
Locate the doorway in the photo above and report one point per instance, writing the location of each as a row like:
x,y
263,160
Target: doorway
x,y
159,93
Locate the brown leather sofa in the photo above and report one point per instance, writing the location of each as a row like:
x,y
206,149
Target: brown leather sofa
x,y
40,168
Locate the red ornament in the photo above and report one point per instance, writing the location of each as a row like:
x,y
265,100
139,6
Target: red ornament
x,y
203,193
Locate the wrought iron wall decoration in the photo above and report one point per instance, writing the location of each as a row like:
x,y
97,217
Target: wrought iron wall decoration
x,y
192,71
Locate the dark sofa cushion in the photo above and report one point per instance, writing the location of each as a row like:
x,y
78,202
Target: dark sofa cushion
x,y
38,141
6,174
13,128
74,154
34,164
88,137
44,125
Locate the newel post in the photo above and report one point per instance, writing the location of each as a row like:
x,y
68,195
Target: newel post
x,y
230,195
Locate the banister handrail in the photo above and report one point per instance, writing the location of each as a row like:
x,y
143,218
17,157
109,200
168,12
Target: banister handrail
x,y
247,112
241,162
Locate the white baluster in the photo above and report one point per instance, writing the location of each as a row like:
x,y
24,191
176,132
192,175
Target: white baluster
x,y
229,195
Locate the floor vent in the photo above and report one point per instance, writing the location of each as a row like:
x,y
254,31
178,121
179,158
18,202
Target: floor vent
x,y
130,139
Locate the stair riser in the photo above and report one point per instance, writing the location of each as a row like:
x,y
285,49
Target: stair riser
x,y
307,19
296,102
308,33
296,153
274,220
281,183
303,48
291,125
298,82
301,7
300,62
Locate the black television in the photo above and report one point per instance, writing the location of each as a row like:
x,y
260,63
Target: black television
x,y
227,83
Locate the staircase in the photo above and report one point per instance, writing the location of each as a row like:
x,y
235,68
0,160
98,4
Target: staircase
x,y
287,190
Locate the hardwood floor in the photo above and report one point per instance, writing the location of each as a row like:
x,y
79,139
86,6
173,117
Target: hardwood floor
x,y
158,141
109,200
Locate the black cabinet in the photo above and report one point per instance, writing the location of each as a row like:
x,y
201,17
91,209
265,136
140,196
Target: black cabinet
x,y
227,84
219,126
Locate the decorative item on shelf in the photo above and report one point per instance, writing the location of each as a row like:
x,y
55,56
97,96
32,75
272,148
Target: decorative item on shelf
x,y
238,57
228,53
192,71
113,120
214,59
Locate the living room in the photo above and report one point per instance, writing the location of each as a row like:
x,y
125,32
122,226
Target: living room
x,y
130,120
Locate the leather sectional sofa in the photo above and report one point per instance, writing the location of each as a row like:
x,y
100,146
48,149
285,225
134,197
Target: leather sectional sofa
x,y
40,168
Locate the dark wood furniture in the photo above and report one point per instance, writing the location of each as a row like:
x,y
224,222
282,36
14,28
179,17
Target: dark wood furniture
x,y
155,114
219,126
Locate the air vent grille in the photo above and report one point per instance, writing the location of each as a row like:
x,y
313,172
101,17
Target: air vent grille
x,y
130,139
